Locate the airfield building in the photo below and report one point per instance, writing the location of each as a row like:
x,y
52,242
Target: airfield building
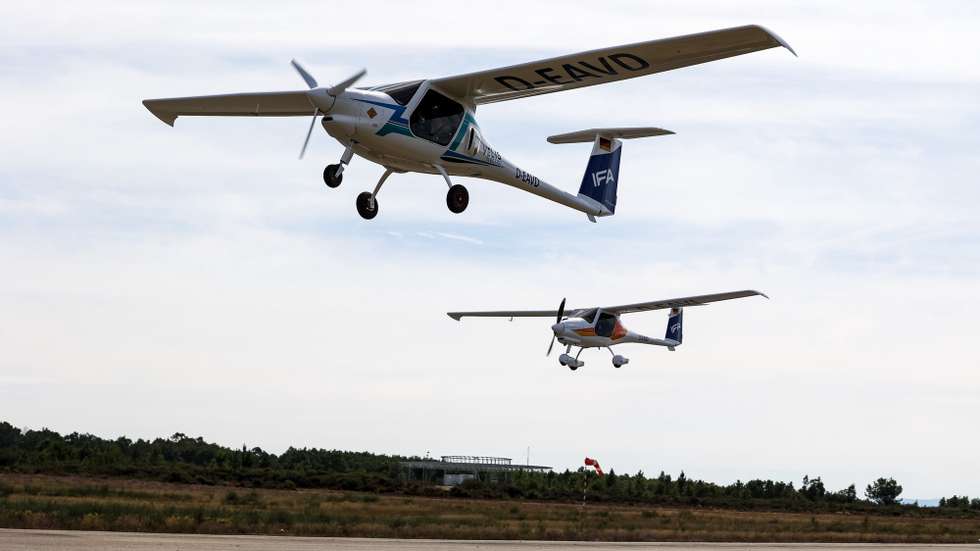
x,y
451,470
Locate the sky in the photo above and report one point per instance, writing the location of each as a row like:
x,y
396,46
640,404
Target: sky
x,y
200,279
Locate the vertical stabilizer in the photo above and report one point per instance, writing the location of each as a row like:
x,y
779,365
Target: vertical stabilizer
x,y
675,325
602,173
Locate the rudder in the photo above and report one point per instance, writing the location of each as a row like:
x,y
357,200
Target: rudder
x,y
675,325
602,173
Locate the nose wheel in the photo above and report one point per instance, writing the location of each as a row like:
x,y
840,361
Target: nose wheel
x,y
333,175
571,363
457,198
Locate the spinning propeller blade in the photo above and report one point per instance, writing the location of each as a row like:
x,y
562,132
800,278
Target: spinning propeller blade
x,y
308,134
561,312
334,91
310,81
339,88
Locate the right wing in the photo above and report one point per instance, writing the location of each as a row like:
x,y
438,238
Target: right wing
x,y
572,71
698,300
256,104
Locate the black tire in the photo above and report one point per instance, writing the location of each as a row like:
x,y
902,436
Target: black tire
x,y
330,176
573,367
457,199
367,207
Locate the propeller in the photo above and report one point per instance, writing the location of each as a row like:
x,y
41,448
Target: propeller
x,y
554,335
332,91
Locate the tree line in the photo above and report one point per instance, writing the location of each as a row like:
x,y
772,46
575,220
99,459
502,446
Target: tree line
x,y
184,459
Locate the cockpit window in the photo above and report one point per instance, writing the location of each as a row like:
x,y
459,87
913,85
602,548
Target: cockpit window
x,y
588,315
606,325
401,93
436,118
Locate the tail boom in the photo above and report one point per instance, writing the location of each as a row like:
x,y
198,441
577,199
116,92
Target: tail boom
x,y
597,193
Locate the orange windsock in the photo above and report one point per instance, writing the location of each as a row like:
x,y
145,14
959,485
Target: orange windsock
x,y
589,462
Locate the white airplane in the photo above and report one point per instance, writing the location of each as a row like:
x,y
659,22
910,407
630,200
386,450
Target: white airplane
x,y
600,327
429,126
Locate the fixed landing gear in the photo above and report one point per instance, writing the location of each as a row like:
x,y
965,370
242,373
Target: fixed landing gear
x,y
367,201
367,205
457,198
333,175
617,360
572,363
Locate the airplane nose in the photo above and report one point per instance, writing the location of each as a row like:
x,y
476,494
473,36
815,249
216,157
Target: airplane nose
x,y
556,328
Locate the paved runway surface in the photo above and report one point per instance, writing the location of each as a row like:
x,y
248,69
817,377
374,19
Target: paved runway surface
x,y
23,540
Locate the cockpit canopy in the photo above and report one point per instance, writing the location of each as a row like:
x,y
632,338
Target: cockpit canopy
x,y
589,315
436,117
605,325
402,92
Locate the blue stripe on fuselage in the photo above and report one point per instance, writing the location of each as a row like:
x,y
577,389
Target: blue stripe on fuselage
x,y
399,110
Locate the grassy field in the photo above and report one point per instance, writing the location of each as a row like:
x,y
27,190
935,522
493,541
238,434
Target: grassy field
x,y
34,501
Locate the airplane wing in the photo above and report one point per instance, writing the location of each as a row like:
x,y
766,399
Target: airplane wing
x,y
682,302
607,64
260,104
507,314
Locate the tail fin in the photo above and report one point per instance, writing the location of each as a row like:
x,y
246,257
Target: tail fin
x,y
602,173
675,325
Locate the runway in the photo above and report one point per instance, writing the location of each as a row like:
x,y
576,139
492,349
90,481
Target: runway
x,y
64,540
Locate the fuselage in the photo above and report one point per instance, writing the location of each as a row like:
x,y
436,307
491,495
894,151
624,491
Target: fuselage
x,y
606,331
429,130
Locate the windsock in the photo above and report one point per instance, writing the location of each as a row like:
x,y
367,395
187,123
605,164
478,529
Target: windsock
x,y
589,462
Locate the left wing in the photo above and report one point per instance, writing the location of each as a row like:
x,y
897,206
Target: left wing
x,y
256,104
506,314
679,302
607,65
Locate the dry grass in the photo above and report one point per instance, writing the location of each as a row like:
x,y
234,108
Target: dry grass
x,y
34,501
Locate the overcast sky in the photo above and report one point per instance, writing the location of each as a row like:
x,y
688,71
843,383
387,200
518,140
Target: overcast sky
x,y
200,279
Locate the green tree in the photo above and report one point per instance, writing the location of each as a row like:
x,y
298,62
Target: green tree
x,y
813,488
884,491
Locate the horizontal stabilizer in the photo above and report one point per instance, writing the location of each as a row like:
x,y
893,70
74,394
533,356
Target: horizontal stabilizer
x,y
590,135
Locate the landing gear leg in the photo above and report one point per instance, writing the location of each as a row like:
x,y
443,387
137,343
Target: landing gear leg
x,y
333,175
367,201
458,197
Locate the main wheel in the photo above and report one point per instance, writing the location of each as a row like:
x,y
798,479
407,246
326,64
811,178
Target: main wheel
x,y
330,176
457,198
367,206
573,367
